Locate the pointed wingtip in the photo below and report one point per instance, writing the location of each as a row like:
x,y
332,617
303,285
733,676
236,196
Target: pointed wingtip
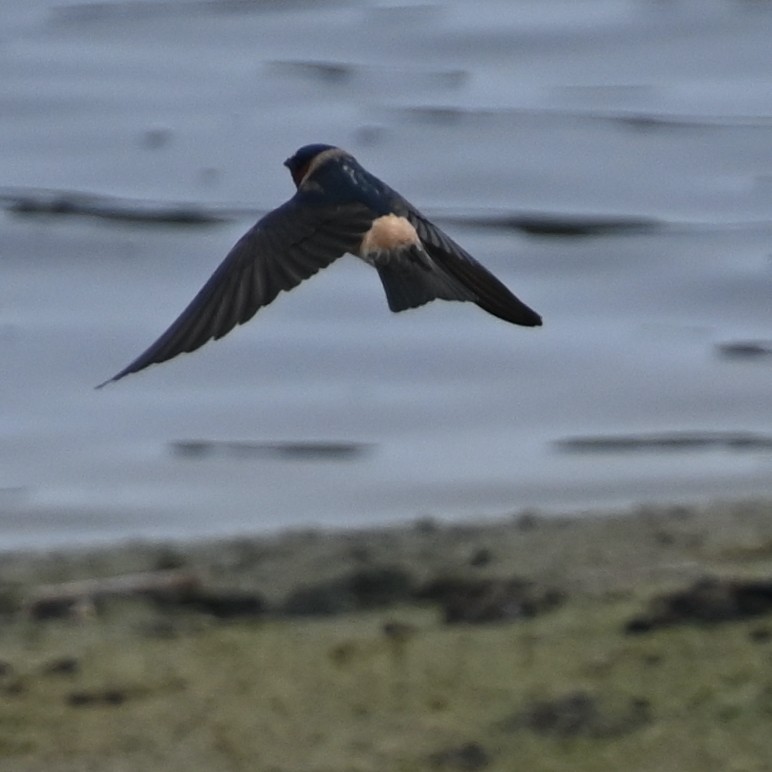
x,y
519,314
115,378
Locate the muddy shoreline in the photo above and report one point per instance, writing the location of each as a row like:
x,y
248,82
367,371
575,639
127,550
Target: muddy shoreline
x,y
544,642
590,552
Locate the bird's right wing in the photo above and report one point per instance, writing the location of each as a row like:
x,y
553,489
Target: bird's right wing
x,y
487,291
285,247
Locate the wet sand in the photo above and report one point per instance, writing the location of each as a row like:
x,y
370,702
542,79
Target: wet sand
x,y
635,640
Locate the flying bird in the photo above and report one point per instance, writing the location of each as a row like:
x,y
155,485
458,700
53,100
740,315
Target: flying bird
x,y
338,208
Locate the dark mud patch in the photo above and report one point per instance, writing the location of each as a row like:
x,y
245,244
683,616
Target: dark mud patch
x,y
669,441
169,590
73,204
708,601
475,601
562,225
97,698
469,756
288,451
344,73
62,666
580,714
221,604
357,590
745,349
637,120
460,599
132,10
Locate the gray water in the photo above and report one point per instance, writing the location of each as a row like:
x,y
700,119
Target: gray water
x,y
645,126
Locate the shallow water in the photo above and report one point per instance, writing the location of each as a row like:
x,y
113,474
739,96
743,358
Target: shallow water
x,y
651,114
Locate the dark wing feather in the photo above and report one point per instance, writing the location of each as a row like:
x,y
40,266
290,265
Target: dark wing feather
x,y
489,293
285,247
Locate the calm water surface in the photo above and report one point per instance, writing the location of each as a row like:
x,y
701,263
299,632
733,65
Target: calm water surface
x,y
653,116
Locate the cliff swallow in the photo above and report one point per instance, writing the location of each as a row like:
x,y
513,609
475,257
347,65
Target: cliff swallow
x,y
339,207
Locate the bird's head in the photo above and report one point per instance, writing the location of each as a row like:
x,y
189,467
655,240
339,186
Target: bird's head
x,y
300,163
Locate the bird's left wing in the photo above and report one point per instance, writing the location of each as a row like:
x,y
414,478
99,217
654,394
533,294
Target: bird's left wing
x,y
285,247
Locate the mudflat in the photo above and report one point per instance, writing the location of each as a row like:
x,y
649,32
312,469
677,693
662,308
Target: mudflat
x,y
634,640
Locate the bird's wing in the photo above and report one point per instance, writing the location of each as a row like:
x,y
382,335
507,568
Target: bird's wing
x,y
489,293
285,247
